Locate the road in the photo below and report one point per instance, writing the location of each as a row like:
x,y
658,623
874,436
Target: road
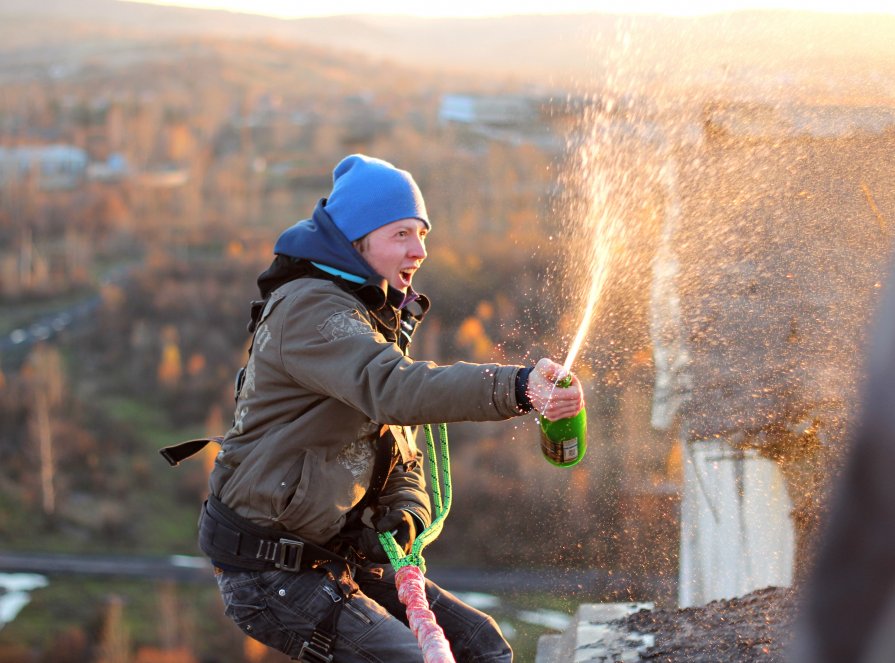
x,y
15,345
185,568
48,325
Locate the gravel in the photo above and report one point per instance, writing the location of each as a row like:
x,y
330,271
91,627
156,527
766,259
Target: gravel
x,y
756,627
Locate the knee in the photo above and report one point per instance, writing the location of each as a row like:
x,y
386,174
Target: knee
x,y
486,644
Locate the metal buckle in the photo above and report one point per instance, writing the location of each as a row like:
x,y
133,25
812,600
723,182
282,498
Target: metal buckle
x,y
310,651
267,550
286,544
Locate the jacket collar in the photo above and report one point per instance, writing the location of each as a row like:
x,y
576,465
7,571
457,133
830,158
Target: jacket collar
x,y
317,245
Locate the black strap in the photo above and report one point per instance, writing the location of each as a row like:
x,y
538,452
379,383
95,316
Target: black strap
x,y
234,541
175,453
237,542
318,648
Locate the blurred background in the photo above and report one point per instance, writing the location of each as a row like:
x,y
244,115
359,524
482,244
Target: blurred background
x,y
149,157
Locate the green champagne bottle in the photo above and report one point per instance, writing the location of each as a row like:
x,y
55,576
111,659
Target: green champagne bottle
x,y
564,441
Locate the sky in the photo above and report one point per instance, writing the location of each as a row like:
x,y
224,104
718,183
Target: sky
x,y
457,8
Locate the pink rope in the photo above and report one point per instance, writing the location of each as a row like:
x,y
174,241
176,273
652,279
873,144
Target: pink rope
x,y
412,592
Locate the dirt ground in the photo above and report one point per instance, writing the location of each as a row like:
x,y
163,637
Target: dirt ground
x,y
753,628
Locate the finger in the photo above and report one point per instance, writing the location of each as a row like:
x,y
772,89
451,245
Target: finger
x,y
563,410
565,401
553,415
556,415
548,369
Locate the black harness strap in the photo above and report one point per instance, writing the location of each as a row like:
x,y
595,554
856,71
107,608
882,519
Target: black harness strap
x,y
175,453
319,647
228,538
231,540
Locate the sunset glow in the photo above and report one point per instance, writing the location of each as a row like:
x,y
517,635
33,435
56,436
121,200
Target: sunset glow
x,y
472,8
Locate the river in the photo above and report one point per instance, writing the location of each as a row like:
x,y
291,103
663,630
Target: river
x,y
15,594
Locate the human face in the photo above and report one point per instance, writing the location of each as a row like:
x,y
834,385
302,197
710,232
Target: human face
x,y
396,250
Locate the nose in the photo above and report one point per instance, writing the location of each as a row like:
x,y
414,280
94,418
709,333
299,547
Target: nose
x,y
418,248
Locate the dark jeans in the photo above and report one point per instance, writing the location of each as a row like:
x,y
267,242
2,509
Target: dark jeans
x,y
281,609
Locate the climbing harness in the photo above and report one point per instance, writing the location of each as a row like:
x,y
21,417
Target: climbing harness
x,y
319,647
410,567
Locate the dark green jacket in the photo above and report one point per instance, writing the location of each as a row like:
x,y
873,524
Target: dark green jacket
x,y
321,382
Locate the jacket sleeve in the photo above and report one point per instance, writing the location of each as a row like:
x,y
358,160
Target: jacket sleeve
x,y
406,489
329,346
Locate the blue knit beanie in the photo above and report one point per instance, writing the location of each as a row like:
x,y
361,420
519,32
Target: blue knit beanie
x,y
369,193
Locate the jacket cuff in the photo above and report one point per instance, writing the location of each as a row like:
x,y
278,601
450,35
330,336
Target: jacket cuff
x,y
422,517
523,402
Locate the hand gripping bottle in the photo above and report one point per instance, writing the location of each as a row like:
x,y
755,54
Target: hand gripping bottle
x,y
564,441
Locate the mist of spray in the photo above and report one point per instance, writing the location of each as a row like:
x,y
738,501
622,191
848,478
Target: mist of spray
x,y
598,271
618,151
599,222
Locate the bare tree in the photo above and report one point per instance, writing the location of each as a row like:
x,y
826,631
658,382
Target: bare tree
x,y
114,643
47,385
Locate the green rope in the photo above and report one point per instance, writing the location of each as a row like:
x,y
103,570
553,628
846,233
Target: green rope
x,y
441,505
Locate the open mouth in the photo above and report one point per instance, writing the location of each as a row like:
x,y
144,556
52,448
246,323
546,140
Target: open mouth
x,y
406,275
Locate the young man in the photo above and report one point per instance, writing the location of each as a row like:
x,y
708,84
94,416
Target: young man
x,y
321,456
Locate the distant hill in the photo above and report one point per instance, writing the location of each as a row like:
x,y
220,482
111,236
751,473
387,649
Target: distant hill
x,y
751,53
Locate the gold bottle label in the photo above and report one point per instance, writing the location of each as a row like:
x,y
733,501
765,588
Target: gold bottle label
x,y
560,451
